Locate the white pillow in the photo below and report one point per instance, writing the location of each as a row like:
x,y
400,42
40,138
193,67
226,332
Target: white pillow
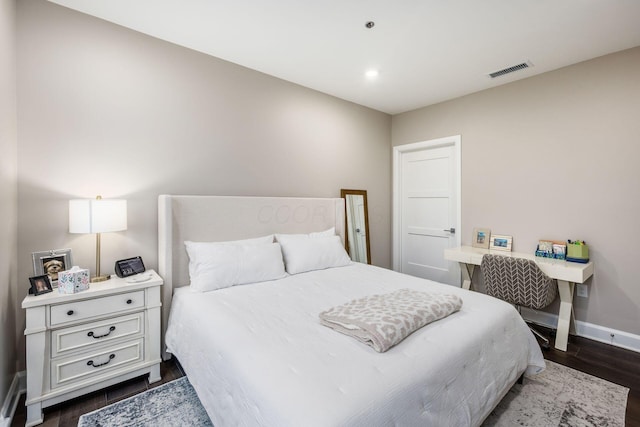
x,y
217,265
316,253
326,233
246,242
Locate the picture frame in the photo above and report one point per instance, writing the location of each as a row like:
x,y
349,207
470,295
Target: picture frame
x,y
481,237
51,263
40,284
500,242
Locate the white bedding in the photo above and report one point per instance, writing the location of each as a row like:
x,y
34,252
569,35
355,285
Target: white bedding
x,y
257,355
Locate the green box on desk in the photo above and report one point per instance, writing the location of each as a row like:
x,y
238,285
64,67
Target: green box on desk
x,y
577,251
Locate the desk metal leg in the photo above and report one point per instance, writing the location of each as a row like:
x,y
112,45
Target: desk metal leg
x,y
467,274
565,316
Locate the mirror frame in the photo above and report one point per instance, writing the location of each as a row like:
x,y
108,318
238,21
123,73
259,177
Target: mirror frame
x,y
343,194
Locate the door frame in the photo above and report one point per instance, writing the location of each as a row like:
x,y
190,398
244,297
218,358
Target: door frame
x,y
396,216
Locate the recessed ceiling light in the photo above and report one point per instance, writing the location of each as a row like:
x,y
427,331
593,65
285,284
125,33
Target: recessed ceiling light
x,y
371,74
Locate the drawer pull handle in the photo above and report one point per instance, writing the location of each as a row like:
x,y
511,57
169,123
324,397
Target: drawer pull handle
x,y
129,301
70,313
111,329
90,362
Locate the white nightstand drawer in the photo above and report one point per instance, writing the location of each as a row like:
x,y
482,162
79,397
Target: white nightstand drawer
x,y
84,336
80,310
76,368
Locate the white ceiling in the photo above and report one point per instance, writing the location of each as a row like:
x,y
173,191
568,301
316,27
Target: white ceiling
x,y
426,51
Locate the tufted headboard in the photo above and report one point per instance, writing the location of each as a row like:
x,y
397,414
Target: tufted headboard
x,y
221,218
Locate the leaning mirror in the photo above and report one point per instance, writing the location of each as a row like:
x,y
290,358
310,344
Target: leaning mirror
x,y
357,225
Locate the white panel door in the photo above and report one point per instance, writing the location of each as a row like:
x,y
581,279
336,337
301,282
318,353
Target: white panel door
x,y
428,212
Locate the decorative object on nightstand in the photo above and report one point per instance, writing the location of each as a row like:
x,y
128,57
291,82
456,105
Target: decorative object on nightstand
x,y
51,263
82,342
73,280
129,267
97,216
40,285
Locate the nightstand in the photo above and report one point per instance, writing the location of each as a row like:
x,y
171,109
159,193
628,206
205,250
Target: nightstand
x,y
82,342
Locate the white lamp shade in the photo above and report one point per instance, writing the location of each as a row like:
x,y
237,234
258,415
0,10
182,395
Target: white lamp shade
x,y
97,215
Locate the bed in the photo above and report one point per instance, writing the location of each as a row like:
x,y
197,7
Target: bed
x,y
257,355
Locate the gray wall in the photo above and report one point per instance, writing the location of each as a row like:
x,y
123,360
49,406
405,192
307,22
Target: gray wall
x,y
8,196
555,156
105,110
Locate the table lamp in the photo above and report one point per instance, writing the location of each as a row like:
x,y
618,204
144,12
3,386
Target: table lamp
x,y
97,216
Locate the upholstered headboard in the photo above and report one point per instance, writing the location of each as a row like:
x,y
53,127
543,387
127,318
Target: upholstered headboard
x,y
221,218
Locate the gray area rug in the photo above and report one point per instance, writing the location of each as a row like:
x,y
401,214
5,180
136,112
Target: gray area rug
x,y
172,404
559,396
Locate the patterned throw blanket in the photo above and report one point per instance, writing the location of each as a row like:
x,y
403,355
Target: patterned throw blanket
x,y
382,321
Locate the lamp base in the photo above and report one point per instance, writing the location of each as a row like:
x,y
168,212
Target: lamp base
x,y
96,279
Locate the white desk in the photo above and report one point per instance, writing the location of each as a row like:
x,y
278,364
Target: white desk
x,y
566,273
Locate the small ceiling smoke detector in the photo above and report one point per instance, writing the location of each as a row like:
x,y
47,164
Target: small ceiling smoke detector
x,y
511,69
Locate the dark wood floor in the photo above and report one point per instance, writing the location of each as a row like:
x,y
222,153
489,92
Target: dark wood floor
x,y
602,360
66,414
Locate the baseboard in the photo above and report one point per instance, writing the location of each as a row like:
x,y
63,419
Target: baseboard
x,y
594,332
17,387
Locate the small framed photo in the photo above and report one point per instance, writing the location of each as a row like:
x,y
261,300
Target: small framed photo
x,y
500,242
40,284
481,238
51,263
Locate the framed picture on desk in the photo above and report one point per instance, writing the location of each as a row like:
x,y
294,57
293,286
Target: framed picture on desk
x,y
500,242
481,238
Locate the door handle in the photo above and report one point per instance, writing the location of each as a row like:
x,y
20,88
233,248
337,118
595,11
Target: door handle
x,y
451,230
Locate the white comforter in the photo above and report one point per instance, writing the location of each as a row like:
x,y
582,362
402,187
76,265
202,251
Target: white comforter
x,y
257,355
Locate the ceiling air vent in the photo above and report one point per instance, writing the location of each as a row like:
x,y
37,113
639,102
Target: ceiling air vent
x,y
511,69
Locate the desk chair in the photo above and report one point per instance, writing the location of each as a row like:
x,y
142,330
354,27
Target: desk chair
x,y
520,282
